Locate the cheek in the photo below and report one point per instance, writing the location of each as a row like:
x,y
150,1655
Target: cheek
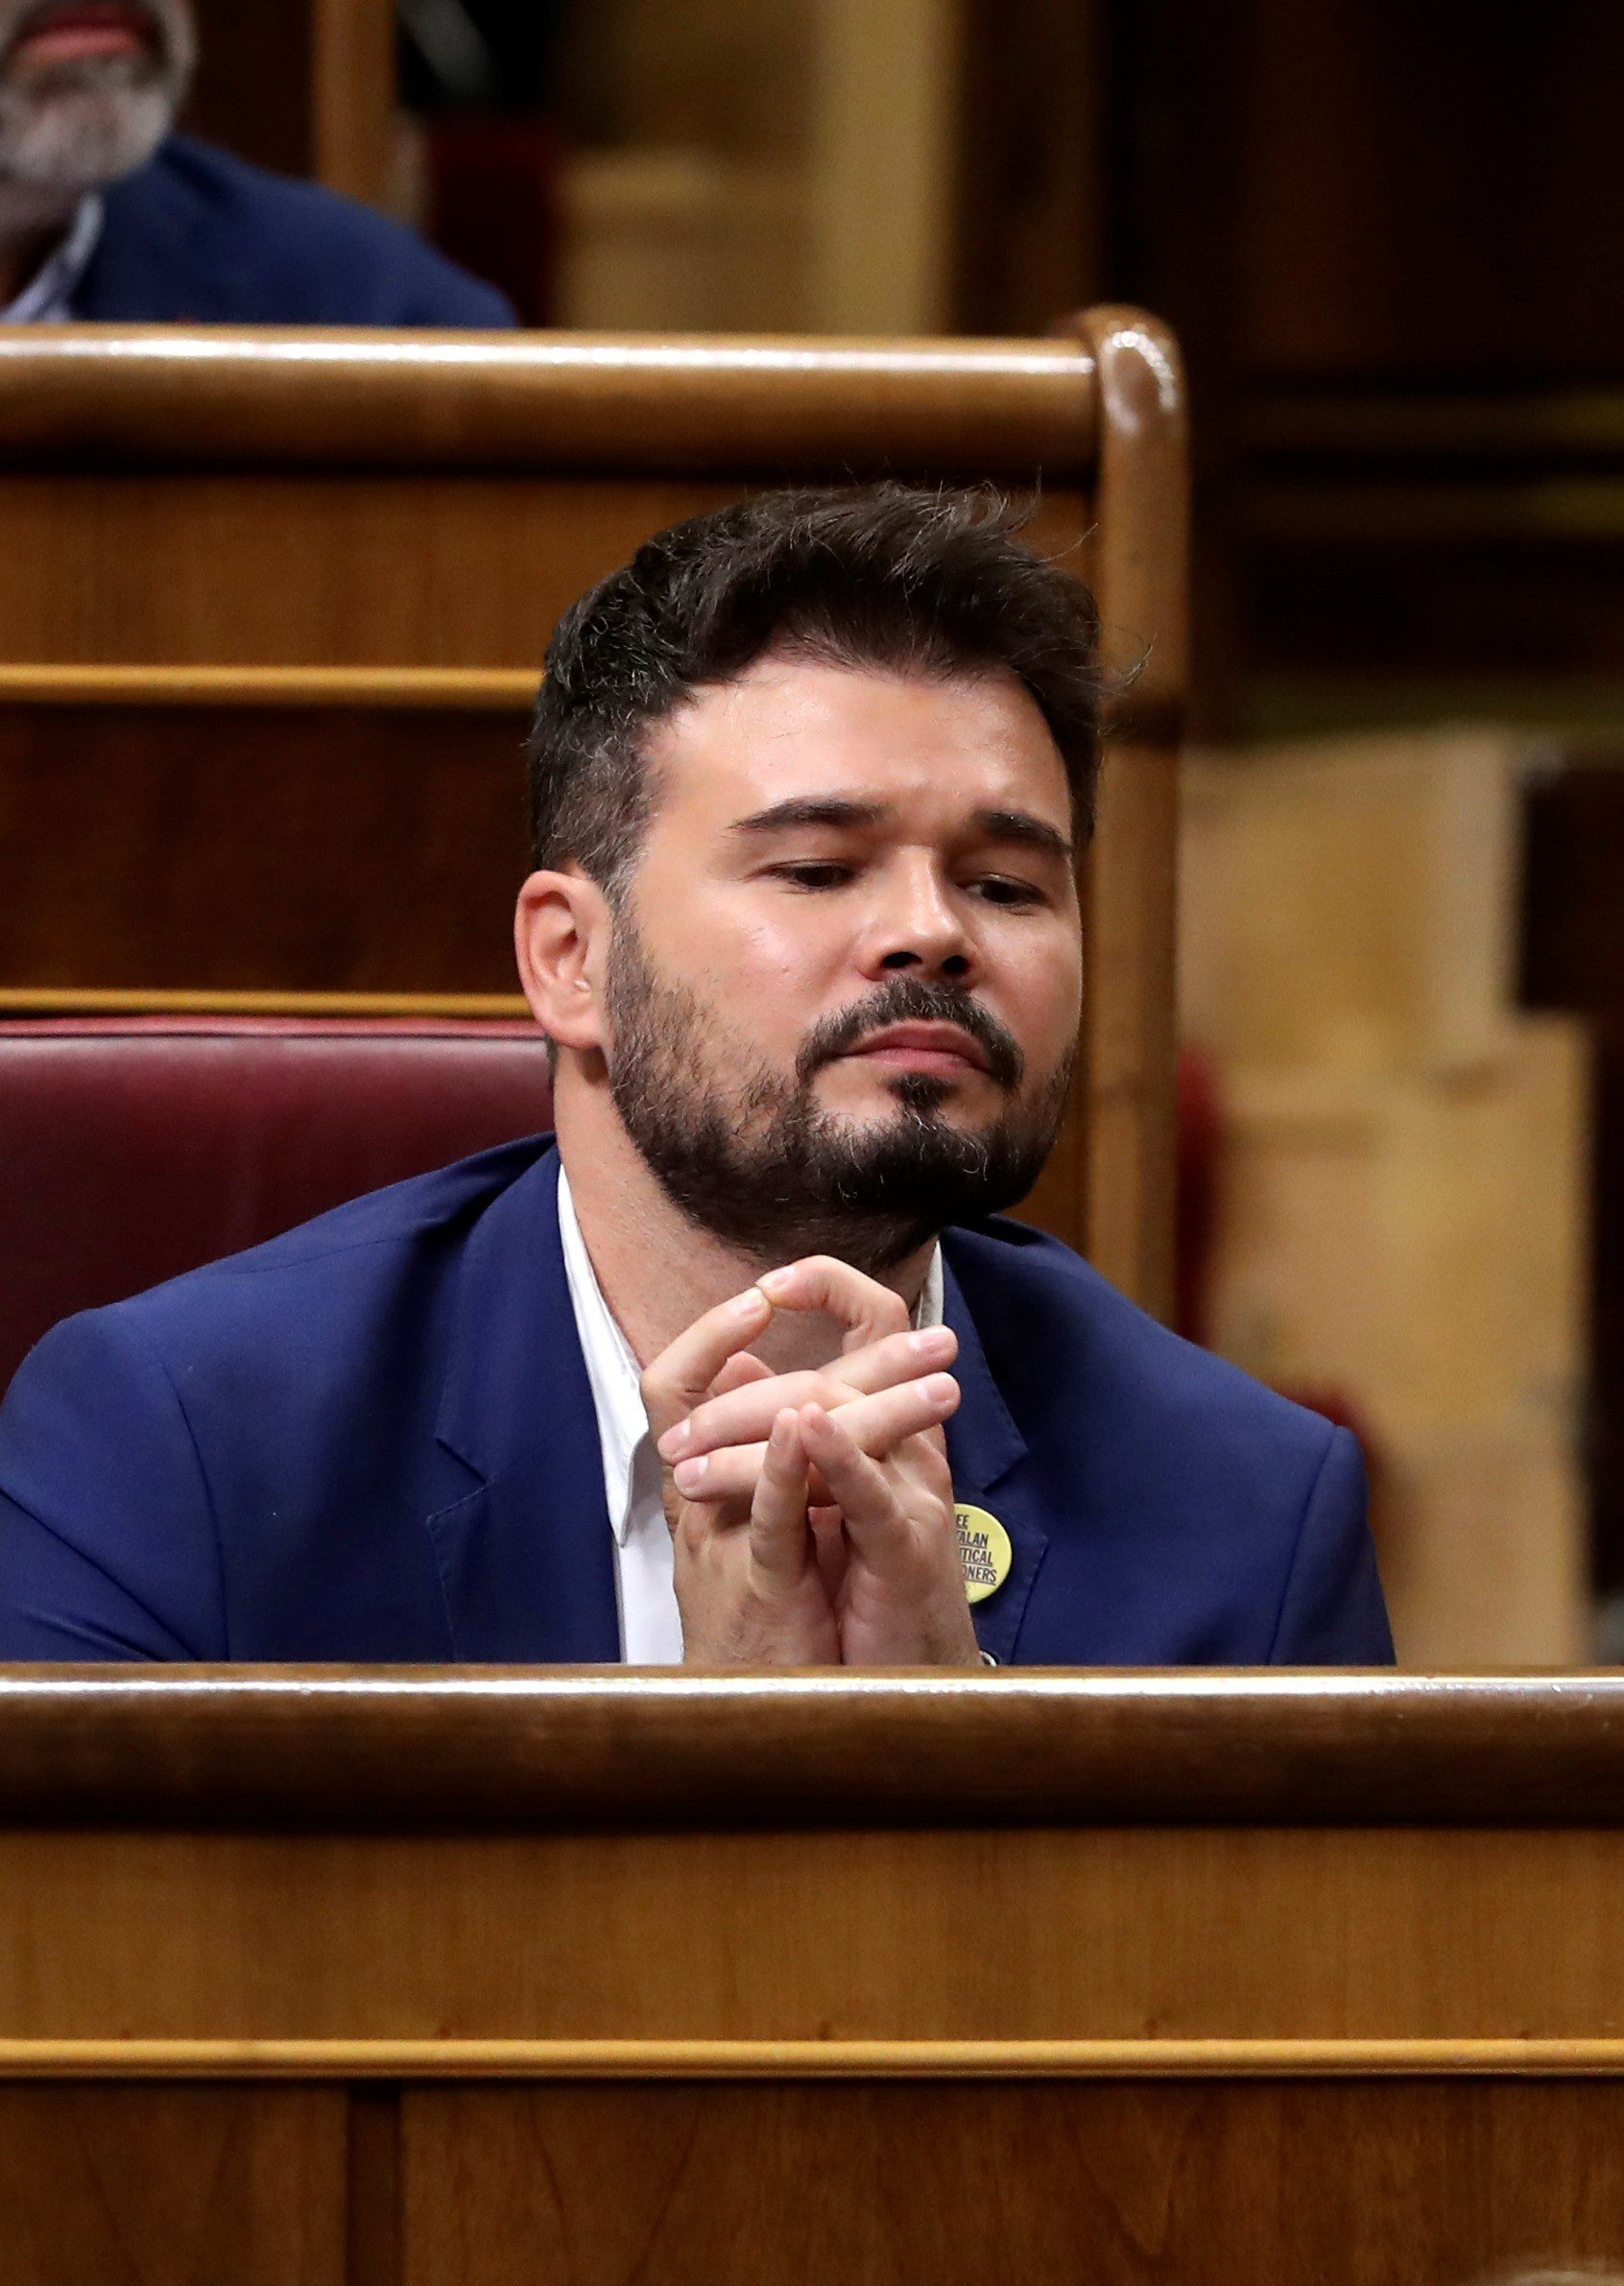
x,y
792,954
1045,994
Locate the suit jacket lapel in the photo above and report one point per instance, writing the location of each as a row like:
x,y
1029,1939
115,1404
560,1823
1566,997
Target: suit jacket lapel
x,y
989,1455
526,1557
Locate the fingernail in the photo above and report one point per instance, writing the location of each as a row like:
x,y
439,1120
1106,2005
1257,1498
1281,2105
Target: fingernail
x,y
940,1389
775,1283
751,1303
674,1440
931,1337
689,1475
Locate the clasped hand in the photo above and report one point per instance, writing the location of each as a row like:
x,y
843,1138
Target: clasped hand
x,y
812,1513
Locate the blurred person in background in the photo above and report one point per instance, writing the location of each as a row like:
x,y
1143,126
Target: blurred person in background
x,y
107,214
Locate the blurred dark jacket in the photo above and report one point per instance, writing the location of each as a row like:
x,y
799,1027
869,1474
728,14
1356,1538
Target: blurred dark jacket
x,y
198,236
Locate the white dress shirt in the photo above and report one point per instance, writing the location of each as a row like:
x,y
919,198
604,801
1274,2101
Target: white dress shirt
x,y
651,1629
47,300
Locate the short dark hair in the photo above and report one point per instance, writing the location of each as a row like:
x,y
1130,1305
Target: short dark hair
x,y
931,582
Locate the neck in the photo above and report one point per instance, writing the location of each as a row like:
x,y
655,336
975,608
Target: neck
x,y
658,1271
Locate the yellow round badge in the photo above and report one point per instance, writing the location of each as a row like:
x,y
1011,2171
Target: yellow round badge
x,y
983,1551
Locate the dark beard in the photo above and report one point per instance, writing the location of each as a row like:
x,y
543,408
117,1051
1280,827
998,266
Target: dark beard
x,y
768,1172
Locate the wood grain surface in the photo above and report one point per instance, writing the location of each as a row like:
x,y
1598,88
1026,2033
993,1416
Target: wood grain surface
x,y
559,402
626,1980
1142,486
1355,2184
87,1001
378,2064
172,2186
504,690
1392,2185
920,1936
359,849
610,1746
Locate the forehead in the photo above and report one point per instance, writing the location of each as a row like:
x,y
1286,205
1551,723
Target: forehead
x,y
932,749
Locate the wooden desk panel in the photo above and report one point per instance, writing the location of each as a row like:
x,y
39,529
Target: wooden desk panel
x,y
1409,2184
172,2186
1127,1949
438,1979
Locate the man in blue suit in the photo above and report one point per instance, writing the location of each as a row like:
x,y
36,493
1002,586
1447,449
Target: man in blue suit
x,y
743,1366
106,214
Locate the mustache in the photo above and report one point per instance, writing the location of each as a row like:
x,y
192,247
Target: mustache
x,y
912,1000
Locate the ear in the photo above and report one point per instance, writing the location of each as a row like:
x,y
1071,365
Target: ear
x,y
561,935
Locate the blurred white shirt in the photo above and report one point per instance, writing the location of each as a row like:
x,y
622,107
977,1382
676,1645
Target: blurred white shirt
x,y
47,300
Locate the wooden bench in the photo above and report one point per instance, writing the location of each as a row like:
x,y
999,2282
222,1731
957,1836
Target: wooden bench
x,y
275,604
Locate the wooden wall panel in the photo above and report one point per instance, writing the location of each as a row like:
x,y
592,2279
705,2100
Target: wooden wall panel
x,y
303,86
172,2186
1407,2183
261,848
1419,196
304,570
299,570
255,77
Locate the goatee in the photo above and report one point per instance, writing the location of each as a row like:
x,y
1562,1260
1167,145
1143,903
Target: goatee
x,y
748,1153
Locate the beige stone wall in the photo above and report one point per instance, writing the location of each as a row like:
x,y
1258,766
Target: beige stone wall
x,y
1405,1165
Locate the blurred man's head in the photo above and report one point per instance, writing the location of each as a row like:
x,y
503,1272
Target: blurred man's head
x,y
807,779
88,89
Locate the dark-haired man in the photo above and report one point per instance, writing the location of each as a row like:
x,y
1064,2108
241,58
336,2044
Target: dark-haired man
x,y
106,214
744,1367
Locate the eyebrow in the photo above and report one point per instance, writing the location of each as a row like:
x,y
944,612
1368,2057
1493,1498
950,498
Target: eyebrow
x,y
1028,832
801,811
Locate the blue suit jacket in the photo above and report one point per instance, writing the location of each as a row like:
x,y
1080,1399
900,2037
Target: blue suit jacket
x,y
197,236
374,1440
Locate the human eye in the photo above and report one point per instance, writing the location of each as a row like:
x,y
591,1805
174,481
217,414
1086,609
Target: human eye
x,y
813,872
1000,889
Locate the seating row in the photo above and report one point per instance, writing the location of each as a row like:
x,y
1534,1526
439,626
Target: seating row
x,y
276,604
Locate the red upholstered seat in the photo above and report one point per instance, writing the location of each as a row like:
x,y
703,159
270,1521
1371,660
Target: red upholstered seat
x,y
132,1149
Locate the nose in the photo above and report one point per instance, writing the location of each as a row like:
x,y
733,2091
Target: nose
x,y
917,927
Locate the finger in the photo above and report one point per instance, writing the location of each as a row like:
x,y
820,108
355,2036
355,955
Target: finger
x,y
738,1372
877,1426
745,1414
830,1540
682,1372
780,1540
866,1309
866,1497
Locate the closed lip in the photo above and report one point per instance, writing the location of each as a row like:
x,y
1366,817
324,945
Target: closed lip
x,y
925,1040
88,19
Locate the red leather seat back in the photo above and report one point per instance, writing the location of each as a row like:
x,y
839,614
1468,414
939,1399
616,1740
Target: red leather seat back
x,y
136,1148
